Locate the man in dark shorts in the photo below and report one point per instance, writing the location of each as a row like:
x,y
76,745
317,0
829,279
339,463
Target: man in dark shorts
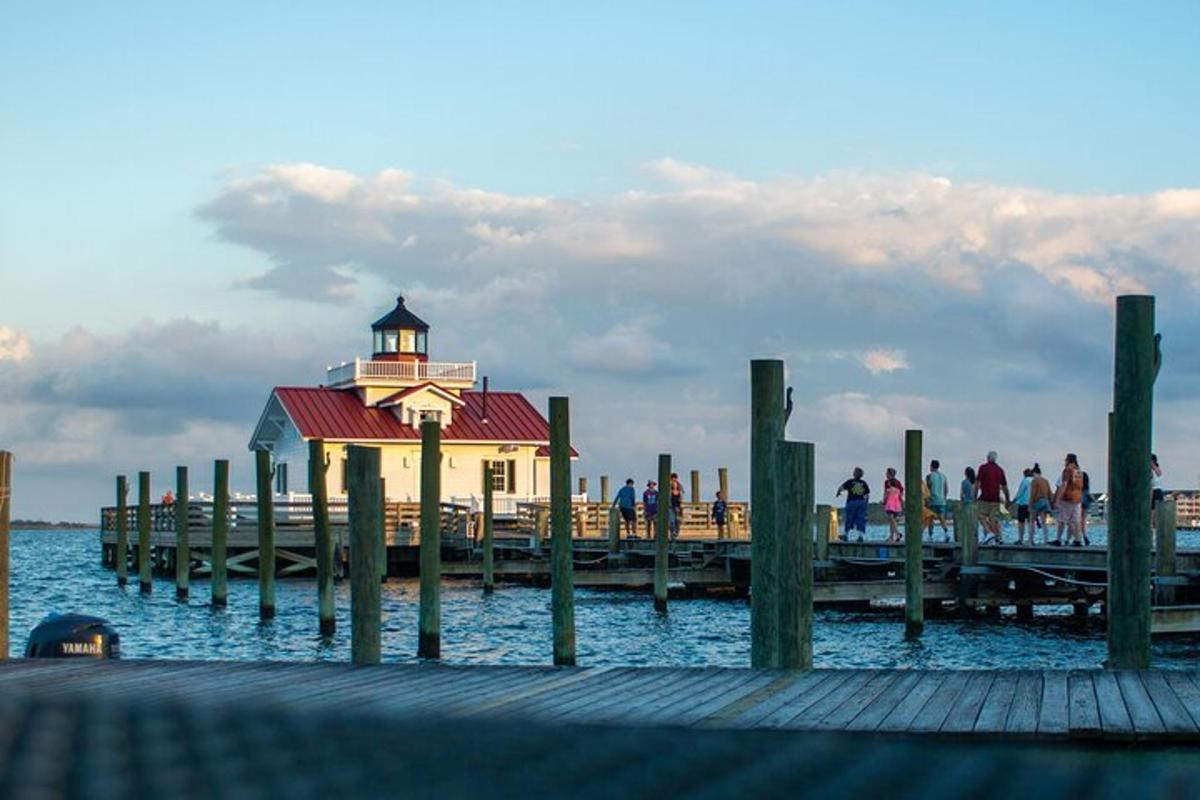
x,y
626,501
857,494
719,508
650,507
990,484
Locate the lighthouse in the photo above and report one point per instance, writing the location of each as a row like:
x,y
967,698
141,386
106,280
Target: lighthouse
x,y
381,402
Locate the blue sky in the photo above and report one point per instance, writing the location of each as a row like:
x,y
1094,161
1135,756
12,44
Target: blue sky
x,y
132,136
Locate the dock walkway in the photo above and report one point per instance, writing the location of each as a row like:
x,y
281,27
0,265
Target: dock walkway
x,y
1153,705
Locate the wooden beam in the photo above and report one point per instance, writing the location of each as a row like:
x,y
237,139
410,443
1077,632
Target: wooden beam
x,y
562,589
121,557
220,533
318,487
183,560
266,534
365,525
914,565
145,578
662,533
429,633
766,431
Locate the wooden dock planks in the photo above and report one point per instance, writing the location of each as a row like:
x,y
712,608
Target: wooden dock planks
x,y
1148,705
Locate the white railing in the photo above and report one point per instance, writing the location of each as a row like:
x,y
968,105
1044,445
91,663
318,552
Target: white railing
x,y
358,369
505,505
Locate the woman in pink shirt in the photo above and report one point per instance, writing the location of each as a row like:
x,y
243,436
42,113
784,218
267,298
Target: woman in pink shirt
x,y
893,503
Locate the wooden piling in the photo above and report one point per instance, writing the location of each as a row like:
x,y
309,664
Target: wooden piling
x,y
794,521
220,534
1128,593
766,431
6,470
696,498
824,517
121,556
614,529
489,547
381,544
266,534
145,577
541,525
562,580
1164,551
914,563
318,487
662,533
583,484
365,509
429,633
183,551
603,489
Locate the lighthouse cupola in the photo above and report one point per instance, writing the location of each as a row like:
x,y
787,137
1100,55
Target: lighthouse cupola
x,y
400,335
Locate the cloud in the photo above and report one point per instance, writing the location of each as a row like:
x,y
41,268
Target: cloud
x,y
627,348
14,345
882,360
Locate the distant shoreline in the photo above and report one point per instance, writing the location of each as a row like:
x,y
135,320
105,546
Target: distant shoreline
x,y
43,525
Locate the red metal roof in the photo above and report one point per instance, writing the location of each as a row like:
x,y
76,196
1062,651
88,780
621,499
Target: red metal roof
x,y
543,451
339,414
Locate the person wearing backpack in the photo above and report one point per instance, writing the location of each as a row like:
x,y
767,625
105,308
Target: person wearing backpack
x,y
1067,501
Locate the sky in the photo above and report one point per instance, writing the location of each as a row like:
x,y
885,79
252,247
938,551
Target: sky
x,y
925,209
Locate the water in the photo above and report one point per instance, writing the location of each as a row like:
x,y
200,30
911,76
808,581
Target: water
x,y
60,571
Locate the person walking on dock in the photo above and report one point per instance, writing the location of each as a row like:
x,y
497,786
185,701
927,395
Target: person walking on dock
x,y
990,485
1021,499
626,501
893,504
1067,499
650,507
855,511
1041,498
676,514
719,508
936,482
1085,503
1156,489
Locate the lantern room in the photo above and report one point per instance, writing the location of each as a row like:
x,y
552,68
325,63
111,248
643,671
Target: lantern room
x,y
400,335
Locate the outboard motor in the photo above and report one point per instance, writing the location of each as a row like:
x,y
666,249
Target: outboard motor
x,y
73,636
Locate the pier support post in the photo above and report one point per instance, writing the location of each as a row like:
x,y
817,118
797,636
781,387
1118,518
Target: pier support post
x,y
489,547
318,487
364,508
145,578
614,530
220,533
662,533
964,531
121,558
429,633
766,431
562,576
183,551
603,489
6,464
1164,551
824,517
1128,595
381,556
583,485
914,562
794,521
696,498
266,534
723,485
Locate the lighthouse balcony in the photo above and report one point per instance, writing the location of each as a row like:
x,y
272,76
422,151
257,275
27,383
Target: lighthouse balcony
x,y
360,372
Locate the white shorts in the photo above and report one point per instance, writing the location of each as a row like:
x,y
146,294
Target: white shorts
x,y
1068,513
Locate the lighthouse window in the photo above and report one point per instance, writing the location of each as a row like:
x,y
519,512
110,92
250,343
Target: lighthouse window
x,y
421,342
406,341
390,340
378,341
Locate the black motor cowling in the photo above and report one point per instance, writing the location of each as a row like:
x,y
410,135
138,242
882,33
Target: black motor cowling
x,y
73,636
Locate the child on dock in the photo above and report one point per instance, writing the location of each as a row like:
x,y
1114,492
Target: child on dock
x,y
1021,499
893,504
855,512
650,507
626,501
718,514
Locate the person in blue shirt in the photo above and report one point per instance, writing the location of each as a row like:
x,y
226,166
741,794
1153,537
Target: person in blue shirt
x,y
626,501
650,507
718,512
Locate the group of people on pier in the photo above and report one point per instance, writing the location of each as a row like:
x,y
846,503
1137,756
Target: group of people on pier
x,y
986,489
626,501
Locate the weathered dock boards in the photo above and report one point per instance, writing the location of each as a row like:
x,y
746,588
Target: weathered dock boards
x,y
1160,706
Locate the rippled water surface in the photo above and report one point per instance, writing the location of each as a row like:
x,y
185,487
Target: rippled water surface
x,y
60,571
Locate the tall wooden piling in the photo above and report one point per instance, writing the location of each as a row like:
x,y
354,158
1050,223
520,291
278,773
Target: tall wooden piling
x,y
766,431
220,533
603,488
914,563
1128,595
429,633
614,530
183,547
562,577
145,577
824,518
696,498
6,471
583,484
1164,551
489,546
723,486
365,517
318,487
794,520
121,556
266,534
662,533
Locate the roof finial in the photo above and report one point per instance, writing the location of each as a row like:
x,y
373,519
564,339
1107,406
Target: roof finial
x,y
399,299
